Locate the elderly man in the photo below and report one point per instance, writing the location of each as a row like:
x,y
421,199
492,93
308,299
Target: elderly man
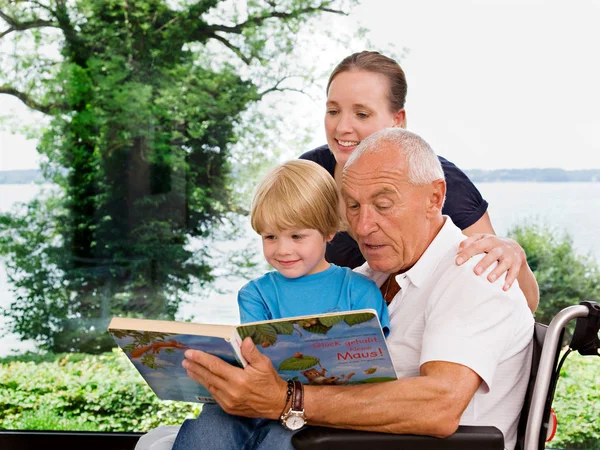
x,y
460,344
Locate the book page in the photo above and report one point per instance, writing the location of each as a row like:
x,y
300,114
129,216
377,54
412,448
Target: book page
x,y
171,326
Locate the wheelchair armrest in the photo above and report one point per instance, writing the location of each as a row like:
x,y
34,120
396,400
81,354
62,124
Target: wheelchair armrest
x,y
465,438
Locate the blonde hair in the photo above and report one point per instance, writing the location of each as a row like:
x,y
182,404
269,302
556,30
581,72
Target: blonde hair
x,y
296,194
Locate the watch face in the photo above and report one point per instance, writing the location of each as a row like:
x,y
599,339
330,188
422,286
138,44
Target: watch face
x,y
294,422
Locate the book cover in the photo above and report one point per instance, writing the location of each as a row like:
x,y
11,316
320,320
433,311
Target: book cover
x,y
328,349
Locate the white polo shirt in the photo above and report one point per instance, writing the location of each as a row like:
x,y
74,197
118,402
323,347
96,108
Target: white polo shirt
x,y
445,312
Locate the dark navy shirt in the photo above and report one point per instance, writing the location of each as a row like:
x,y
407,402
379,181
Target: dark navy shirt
x,y
464,204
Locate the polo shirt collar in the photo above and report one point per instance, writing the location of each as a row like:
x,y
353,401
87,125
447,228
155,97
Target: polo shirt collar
x,y
446,238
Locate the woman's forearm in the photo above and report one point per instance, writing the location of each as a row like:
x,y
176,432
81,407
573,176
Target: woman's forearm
x,y
529,286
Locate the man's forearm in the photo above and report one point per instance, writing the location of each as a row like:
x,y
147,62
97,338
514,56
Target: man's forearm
x,y
419,405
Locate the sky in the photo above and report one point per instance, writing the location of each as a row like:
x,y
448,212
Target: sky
x,y
491,84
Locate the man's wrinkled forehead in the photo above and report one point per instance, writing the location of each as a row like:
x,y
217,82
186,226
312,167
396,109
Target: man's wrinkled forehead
x,y
356,177
369,185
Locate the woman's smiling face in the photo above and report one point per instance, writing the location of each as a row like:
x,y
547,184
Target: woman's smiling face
x,y
357,106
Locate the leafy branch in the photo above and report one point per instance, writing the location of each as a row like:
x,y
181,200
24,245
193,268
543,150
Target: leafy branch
x,y
27,100
284,16
211,30
277,87
15,25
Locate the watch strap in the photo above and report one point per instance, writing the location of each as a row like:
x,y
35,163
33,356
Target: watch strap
x,y
298,400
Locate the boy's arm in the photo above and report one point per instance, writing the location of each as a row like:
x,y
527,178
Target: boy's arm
x,y
251,305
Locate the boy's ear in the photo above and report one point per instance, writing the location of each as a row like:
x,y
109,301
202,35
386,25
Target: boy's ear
x,y
330,237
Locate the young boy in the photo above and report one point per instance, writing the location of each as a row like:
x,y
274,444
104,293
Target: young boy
x,y
295,210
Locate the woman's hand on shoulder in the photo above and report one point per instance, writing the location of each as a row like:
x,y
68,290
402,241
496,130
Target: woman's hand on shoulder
x,y
507,252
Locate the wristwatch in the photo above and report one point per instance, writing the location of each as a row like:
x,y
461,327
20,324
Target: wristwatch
x,y
294,418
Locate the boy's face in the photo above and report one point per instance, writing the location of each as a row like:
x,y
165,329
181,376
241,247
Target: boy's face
x,y
295,253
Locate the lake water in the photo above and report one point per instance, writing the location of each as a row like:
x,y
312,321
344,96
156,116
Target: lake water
x,y
571,207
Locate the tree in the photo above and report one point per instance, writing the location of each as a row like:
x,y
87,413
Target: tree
x,y
143,98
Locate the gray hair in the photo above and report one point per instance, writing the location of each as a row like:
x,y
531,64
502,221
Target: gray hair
x,y
422,163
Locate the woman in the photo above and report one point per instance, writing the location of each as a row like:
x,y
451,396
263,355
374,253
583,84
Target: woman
x,y
366,92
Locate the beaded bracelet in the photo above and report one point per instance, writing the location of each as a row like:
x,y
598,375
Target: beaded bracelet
x,y
290,390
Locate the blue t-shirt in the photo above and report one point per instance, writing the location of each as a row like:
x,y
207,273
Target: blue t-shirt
x,y
274,296
464,204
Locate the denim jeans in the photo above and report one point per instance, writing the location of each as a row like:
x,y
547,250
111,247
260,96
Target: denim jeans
x,y
214,429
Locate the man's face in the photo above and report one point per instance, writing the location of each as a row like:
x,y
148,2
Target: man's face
x,y
387,215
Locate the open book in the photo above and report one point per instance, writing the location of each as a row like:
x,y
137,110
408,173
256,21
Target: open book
x,y
337,348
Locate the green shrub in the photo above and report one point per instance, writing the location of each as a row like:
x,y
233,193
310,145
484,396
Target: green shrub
x,y
47,419
577,404
565,277
81,392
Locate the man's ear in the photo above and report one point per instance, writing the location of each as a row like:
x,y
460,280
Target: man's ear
x,y
400,118
437,195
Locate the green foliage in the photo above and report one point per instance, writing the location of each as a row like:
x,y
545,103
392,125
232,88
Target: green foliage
x,y
373,380
78,392
46,419
564,277
332,320
317,328
265,335
301,363
577,404
283,327
355,319
143,115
